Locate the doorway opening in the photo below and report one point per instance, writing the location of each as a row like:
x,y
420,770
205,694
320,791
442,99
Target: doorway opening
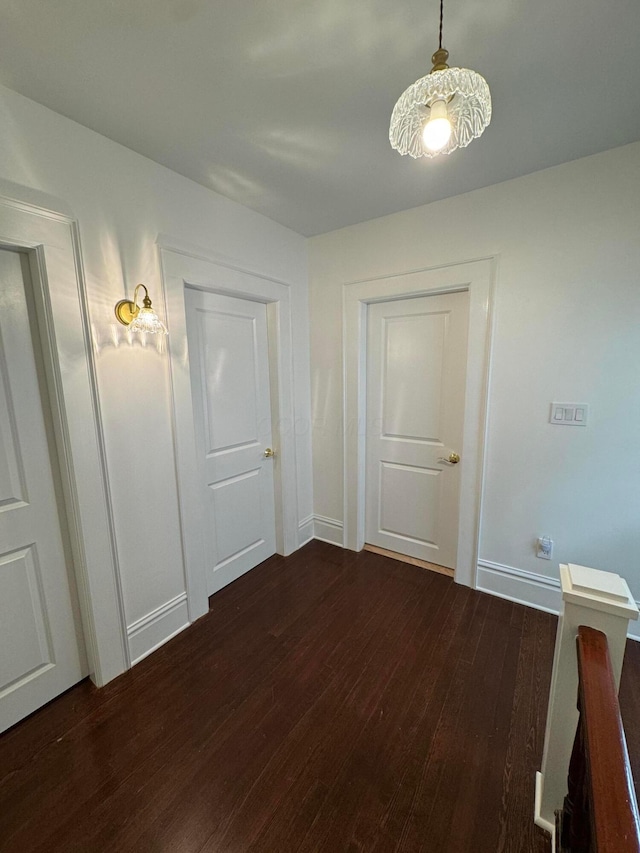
x,y
476,279
231,392
415,384
42,238
41,639
184,271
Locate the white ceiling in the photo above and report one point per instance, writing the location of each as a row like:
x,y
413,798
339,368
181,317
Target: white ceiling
x,y
284,105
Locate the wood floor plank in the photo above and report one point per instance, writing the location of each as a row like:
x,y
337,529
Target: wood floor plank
x,y
451,755
327,763
337,714
481,749
364,759
432,728
174,791
336,680
172,696
330,701
524,752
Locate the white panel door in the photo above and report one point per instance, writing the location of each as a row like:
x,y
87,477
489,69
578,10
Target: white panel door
x,y
41,652
416,364
229,365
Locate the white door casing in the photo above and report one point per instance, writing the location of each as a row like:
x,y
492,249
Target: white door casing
x,y
187,266
45,230
477,277
416,365
229,361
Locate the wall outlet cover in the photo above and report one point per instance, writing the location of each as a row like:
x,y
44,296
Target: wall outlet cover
x,y
544,548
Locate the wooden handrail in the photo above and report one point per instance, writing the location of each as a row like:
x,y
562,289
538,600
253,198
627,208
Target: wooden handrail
x,y
600,813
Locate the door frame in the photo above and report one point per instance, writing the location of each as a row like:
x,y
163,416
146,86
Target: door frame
x,y
477,277
183,267
46,231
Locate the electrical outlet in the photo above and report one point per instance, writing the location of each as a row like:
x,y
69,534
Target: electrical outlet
x,y
544,548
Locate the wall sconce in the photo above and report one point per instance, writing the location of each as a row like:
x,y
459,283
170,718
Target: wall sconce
x,y
140,319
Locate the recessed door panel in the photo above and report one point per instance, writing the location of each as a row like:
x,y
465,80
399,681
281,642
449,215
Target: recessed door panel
x,y
24,628
416,516
234,498
416,366
412,375
230,360
12,488
229,366
40,647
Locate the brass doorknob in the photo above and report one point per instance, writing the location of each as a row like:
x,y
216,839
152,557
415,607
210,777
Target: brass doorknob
x,y
269,453
454,458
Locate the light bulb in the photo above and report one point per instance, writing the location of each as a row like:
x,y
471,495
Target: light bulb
x,y
437,131
148,321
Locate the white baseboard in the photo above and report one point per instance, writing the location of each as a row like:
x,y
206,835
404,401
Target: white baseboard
x,y
540,821
534,590
305,531
328,530
153,630
527,588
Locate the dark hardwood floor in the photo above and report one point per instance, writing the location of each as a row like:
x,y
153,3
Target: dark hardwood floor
x,y
330,701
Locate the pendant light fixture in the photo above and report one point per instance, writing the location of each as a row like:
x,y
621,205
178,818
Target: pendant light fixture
x,y
440,112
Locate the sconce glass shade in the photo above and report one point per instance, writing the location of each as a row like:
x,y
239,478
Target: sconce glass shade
x,y
149,322
468,100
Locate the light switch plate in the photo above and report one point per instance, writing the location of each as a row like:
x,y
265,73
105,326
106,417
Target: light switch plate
x,y
569,414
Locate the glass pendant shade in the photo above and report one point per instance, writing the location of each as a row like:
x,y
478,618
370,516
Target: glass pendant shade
x,y
148,321
468,110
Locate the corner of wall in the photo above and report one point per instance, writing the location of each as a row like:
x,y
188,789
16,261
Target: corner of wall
x,y
527,588
147,634
328,530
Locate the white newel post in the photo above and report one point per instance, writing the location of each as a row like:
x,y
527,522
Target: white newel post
x,y
600,600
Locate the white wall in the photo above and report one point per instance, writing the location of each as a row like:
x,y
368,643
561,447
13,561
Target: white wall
x,y
567,328
123,202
